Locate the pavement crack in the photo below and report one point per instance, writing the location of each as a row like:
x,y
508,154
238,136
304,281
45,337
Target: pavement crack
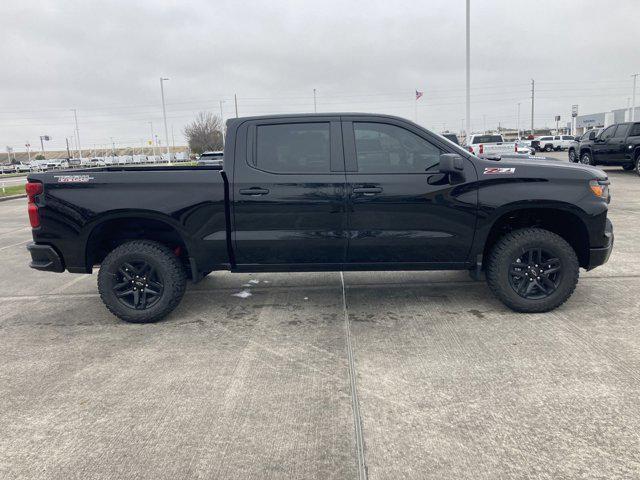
x,y
355,404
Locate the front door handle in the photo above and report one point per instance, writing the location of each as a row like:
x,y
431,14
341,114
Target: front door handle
x,y
368,191
255,191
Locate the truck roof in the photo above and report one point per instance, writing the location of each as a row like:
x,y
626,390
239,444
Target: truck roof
x,y
315,115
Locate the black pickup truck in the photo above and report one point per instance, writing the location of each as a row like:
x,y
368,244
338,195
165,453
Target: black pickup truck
x,y
616,145
331,192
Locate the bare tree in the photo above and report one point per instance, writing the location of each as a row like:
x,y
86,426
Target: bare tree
x,y
204,133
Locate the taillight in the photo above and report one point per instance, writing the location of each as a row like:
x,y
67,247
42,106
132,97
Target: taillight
x,y
515,148
470,149
481,149
33,189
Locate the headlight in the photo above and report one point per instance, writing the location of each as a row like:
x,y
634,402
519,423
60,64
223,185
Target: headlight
x,y
600,188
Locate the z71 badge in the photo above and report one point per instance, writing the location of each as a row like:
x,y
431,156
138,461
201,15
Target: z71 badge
x,y
73,178
499,171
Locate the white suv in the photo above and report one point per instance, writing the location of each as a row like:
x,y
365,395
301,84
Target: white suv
x,y
554,142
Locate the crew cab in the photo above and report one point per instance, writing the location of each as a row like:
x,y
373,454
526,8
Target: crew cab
x,y
495,145
616,145
323,192
582,141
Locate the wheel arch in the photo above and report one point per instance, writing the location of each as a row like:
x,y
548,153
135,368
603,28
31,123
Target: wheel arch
x,y
116,228
563,220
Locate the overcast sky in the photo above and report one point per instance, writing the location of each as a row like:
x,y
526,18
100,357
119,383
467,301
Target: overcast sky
x,y
104,58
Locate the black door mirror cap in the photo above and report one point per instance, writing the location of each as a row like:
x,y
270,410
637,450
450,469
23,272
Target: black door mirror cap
x,y
451,163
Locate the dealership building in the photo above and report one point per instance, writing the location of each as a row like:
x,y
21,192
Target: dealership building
x,y
603,119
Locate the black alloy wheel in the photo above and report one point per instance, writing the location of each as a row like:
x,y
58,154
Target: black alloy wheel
x,y
535,274
138,285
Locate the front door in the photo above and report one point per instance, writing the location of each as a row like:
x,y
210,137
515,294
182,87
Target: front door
x,y
289,196
401,210
603,151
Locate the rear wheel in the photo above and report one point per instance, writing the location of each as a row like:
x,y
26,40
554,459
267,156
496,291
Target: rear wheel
x,y
548,148
141,281
532,270
638,164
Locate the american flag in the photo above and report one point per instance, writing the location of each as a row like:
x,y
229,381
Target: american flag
x,y
419,94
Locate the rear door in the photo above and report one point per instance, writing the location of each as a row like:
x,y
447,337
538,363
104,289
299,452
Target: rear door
x,y
289,193
401,210
618,143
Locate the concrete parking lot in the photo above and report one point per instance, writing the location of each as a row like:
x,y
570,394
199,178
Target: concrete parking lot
x,y
409,374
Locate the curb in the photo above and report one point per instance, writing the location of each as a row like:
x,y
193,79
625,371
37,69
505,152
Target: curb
x,y
13,197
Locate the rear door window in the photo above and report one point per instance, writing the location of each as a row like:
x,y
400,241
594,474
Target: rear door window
x,y
622,130
386,148
486,139
635,131
294,148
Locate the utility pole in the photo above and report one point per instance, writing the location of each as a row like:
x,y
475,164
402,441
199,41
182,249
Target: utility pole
x,y
468,131
633,102
113,146
315,105
164,115
222,121
173,140
153,145
235,100
28,145
75,115
533,94
68,152
518,120
484,122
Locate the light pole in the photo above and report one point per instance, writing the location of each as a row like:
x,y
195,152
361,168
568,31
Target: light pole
x,y
164,114
222,121
467,133
518,120
75,115
28,145
43,138
315,105
633,102
153,145
113,146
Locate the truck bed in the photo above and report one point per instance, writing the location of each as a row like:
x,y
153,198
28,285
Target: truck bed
x,y
79,204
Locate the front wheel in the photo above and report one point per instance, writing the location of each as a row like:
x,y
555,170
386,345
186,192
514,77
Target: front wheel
x,y
585,159
141,281
548,148
572,155
629,167
532,270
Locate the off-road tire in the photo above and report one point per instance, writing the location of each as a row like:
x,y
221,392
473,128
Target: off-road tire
x,y
167,266
509,247
629,167
586,158
572,156
548,148
638,164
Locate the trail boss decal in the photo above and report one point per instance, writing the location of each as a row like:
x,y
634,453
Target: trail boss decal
x,y
499,171
73,178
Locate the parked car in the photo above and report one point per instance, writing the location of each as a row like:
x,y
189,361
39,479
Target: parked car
x,y
494,145
550,143
616,145
452,137
324,192
211,158
22,167
7,168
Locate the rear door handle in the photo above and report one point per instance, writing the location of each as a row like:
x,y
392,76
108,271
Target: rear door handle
x,y
255,191
368,191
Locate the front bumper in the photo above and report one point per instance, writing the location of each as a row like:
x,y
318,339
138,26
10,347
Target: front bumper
x,y
599,256
45,257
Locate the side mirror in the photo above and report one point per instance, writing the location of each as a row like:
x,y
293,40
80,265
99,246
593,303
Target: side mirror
x,y
451,163
452,166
